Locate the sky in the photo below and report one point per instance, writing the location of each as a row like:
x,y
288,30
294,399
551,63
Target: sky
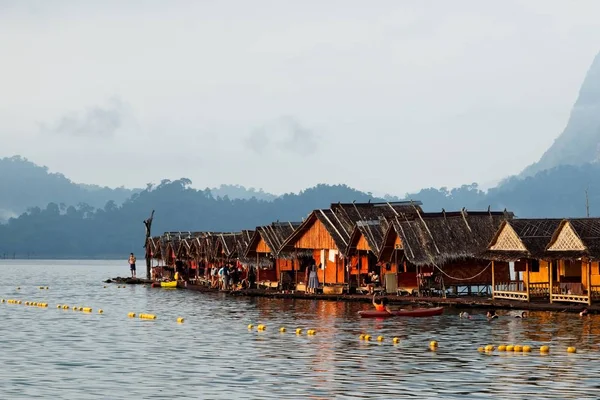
x,y
385,96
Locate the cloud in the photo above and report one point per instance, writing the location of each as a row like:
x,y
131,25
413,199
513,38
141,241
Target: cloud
x,y
285,133
96,121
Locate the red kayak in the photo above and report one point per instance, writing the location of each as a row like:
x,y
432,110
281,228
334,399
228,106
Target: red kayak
x,y
417,312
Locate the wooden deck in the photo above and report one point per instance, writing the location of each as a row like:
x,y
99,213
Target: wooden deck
x,y
460,302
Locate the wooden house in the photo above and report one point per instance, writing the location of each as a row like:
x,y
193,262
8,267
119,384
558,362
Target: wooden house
x,y
321,240
522,243
367,224
364,249
436,251
574,253
226,247
328,238
273,267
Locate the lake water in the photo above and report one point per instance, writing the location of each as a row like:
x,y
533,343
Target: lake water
x,y
62,354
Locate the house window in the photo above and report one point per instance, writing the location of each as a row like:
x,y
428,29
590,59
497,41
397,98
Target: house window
x,y
535,265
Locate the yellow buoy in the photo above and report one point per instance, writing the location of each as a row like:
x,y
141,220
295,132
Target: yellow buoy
x,y
261,327
433,343
41,287
367,337
510,347
131,315
47,288
526,349
65,307
298,331
502,347
518,349
544,349
59,306
571,350
87,309
100,311
180,320
282,329
250,326
18,301
18,288
480,349
104,287
396,340
380,338
489,347
362,336
311,332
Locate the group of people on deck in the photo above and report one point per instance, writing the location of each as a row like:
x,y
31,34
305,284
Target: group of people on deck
x,y
229,277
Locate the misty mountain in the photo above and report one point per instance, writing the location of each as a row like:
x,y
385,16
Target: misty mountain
x,y
241,192
25,184
579,143
56,231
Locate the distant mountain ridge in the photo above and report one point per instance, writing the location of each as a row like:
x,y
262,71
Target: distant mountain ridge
x,y
25,184
579,143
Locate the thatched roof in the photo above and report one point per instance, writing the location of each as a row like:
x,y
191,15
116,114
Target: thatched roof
x,y
274,235
521,238
439,238
575,238
374,233
226,245
342,218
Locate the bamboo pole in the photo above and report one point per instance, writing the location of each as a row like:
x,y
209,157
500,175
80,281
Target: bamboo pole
x,y
589,282
528,275
494,280
550,269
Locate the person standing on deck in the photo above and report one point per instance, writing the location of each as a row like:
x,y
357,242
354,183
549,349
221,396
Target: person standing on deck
x,y
313,280
132,260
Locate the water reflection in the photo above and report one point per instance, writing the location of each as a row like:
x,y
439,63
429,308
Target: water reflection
x,y
70,355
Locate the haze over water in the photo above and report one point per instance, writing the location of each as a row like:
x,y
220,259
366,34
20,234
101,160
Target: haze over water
x,y
63,354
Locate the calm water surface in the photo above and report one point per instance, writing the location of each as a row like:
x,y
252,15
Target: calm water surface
x,y
64,354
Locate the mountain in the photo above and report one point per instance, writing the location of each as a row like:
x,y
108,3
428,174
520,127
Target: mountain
x,y
25,184
83,231
579,143
241,192
111,231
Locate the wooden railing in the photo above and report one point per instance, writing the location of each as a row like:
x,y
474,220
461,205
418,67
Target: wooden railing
x,y
539,289
510,286
517,290
595,289
561,294
511,290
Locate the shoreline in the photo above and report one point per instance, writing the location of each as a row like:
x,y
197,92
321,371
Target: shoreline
x,y
462,302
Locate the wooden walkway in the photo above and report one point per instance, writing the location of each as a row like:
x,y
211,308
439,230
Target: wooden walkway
x,y
459,302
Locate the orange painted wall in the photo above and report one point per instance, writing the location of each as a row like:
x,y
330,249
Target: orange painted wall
x,y
542,276
362,244
262,247
284,264
334,272
316,237
364,259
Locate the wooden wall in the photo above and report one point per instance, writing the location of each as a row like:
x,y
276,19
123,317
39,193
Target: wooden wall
x,y
334,271
316,237
363,258
262,246
542,276
362,244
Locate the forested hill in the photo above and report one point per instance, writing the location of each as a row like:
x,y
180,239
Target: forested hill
x,y
25,184
113,230
82,231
